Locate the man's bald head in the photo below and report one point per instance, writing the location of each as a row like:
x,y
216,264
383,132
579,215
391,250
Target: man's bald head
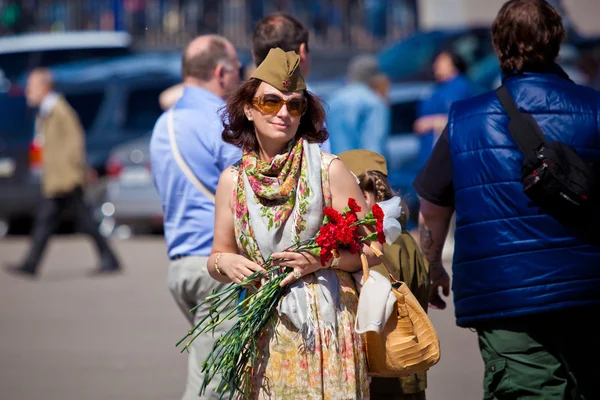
x,y
203,54
39,83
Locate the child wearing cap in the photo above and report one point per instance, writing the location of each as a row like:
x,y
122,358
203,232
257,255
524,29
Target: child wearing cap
x,y
370,168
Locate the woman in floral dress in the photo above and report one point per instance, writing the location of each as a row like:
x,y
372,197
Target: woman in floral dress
x,y
273,198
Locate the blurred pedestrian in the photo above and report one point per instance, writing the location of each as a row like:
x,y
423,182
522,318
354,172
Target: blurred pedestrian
x,y
286,32
187,157
528,284
359,113
449,69
64,173
406,259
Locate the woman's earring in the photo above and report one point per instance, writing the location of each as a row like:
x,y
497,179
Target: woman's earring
x,y
249,117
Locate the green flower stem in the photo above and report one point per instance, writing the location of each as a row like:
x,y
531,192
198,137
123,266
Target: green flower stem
x,y
234,353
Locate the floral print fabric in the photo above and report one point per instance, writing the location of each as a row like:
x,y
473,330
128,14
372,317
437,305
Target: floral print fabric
x,y
336,367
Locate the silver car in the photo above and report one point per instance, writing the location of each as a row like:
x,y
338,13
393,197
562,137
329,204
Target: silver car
x,y
131,204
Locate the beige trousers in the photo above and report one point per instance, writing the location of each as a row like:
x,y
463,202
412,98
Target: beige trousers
x,y
190,284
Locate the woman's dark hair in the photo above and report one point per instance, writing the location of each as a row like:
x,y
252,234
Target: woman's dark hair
x,y
457,60
240,132
526,35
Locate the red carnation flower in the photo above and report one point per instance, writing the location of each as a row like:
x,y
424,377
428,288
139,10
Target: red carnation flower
x,y
380,234
353,205
327,241
333,215
378,213
325,256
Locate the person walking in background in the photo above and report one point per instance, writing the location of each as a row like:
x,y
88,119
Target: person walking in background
x,y
63,176
187,140
286,32
405,257
529,285
449,70
359,113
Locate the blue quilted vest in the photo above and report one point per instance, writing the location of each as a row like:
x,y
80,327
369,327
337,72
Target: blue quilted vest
x,y
509,259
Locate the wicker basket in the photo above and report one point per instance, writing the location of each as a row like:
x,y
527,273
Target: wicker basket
x,y
408,343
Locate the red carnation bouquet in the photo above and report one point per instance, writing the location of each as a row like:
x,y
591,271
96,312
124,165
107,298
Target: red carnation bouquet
x,y
339,231
234,352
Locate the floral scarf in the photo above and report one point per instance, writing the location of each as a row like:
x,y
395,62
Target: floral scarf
x,y
278,204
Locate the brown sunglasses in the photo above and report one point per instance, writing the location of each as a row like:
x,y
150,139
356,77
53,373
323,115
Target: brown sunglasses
x,y
272,103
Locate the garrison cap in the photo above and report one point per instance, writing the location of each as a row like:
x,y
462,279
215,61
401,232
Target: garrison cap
x,y
281,70
361,161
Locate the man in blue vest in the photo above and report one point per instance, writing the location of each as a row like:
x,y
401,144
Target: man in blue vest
x,y
528,285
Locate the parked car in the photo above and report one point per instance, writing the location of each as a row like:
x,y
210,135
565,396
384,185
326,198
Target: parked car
x,y
21,53
130,204
410,59
116,100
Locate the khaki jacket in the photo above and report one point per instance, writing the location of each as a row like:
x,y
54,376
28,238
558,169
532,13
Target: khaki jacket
x,y
63,150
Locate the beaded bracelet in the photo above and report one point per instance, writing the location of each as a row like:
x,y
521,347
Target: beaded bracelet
x,y
216,264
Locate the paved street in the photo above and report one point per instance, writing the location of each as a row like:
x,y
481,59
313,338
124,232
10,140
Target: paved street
x,y
71,336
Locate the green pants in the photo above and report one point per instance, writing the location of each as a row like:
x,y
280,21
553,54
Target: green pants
x,y
553,356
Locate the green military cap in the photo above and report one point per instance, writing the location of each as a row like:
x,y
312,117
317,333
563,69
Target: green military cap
x,y
361,161
281,70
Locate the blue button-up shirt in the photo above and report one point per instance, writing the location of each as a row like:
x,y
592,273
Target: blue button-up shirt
x,y
188,214
358,118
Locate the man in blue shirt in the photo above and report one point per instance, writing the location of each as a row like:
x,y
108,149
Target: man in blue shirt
x,y
359,116
210,69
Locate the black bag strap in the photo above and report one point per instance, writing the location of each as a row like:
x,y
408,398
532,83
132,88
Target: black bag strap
x,y
522,127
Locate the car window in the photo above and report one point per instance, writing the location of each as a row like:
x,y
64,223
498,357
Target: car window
x,y
403,117
17,119
86,105
15,64
53,57
143,109
412,58
411,55
473,46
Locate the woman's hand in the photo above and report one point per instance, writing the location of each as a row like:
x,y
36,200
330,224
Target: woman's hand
x,y
302,263
237,268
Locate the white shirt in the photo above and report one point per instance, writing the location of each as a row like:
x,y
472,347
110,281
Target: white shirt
x,y
48,104
46,108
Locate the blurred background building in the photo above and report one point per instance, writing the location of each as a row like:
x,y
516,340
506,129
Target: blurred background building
x,y
367,24
333,23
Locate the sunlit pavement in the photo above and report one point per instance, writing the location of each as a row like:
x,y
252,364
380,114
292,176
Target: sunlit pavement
x,y
68,335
